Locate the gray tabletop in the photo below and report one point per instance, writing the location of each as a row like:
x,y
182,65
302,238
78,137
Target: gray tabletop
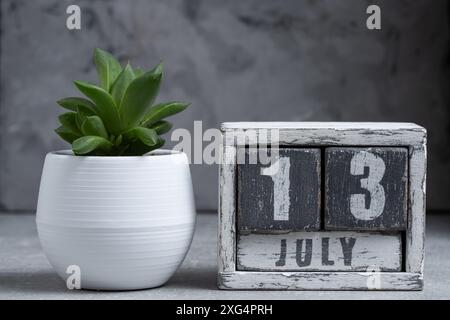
x,y
26,274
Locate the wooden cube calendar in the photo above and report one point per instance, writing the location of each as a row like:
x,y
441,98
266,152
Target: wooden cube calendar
x,y
322,206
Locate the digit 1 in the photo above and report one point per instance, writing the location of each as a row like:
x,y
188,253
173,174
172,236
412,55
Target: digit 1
x,y
371,183
279,172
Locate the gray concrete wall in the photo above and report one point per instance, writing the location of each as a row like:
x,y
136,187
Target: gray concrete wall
x,y
234,60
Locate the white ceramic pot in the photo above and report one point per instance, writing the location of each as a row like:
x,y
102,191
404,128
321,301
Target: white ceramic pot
x,y
125,222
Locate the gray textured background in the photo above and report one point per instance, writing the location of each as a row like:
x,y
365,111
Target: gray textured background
x,y
234,60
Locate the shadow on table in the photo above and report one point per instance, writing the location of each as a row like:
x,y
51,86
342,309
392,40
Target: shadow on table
x,y
201,278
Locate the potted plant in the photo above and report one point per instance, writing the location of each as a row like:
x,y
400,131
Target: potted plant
x,y
115,207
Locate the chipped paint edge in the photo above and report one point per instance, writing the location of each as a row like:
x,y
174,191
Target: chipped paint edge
x,y
249,280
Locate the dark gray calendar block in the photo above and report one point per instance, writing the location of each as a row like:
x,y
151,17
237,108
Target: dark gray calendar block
x,y
366,188
282,195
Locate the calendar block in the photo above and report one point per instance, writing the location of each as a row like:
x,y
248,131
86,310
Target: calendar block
x,y
366,188
344,210
320,251
282,195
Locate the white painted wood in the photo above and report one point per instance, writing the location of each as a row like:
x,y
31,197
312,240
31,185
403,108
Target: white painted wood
x,y
398,126
324,134
415,235
227,210
328,133
331,251
248,280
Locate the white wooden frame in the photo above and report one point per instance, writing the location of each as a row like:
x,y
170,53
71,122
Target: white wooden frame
x,y
325,134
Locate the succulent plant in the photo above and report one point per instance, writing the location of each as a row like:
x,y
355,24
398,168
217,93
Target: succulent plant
x,y
119,117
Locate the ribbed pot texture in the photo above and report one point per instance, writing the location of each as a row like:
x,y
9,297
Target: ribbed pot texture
x,y
125,222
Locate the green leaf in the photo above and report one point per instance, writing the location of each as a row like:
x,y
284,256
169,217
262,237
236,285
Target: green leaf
x,y
120,86
108,68
138,72
137,148
93,126
74,104
159,69
147,136
162,111
139,97
119,139
81,116
161,127
104,105
66,134
68,120
88,144
159,144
